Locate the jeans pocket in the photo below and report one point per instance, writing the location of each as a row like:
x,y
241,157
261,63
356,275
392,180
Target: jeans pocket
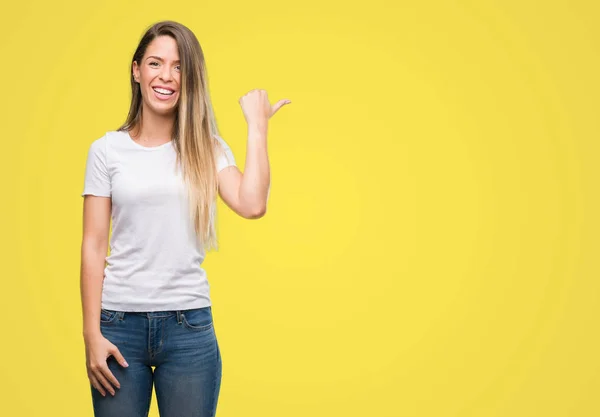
x,y
199,319
107,316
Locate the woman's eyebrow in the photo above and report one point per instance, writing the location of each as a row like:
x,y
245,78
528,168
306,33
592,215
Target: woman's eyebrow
x,y
159,58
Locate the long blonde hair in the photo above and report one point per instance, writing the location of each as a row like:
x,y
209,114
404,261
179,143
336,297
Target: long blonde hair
x,y
195,129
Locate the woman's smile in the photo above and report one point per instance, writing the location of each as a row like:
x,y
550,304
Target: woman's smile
x,y
164,93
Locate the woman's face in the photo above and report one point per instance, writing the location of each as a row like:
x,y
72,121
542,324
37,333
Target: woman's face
x,y
159,75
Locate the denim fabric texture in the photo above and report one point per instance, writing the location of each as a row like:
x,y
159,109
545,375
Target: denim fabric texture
x,y
174,351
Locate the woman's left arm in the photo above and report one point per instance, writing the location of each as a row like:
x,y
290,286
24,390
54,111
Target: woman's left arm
x,y
247,193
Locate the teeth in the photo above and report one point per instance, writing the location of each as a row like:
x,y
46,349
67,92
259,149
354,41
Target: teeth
x,y
163,91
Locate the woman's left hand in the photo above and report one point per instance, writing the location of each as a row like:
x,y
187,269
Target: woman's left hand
x,y
257,109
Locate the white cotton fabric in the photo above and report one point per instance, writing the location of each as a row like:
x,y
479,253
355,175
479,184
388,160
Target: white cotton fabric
x,y
155,262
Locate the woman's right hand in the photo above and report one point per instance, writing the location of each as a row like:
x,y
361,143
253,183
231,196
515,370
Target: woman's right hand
x,y
97,351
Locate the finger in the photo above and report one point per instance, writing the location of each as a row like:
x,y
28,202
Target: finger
x,y
279,105
118,356
96,384
102,379
109,376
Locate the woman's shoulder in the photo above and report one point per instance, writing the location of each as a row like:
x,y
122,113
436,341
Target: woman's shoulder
x,y
221,144
116,135
114,138
109,136
110,140
224,155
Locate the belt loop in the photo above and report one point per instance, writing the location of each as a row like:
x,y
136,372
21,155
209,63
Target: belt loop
x,y
120,315
179,319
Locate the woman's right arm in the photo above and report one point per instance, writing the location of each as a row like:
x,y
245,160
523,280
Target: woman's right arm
x,y
96,225
94,246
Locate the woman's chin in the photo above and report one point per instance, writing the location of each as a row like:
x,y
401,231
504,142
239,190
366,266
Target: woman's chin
x,y
163,110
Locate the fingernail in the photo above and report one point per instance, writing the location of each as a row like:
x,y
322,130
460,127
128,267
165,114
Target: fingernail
x,y
125,364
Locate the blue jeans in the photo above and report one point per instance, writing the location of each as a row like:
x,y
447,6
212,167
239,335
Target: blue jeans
x,y
177,351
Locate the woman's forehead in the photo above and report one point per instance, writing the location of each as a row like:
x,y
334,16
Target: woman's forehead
x,y
163,47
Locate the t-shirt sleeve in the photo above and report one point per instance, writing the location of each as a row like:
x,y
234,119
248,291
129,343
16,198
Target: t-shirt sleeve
x,y
224,155
97,180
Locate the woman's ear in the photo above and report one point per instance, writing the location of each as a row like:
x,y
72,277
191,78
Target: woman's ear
x,y
136,72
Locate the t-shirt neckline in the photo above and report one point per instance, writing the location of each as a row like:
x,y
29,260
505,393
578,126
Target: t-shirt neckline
x,y
147,148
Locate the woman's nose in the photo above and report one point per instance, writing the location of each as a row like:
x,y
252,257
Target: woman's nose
x,y
165,74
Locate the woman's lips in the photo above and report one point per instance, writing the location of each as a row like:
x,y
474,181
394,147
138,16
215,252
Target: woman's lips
x,y
164,97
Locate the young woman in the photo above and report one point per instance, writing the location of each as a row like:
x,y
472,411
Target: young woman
x,y
147,315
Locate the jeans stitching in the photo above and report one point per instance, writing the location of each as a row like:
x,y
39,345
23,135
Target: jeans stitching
x,y
196,328
112,314
215,381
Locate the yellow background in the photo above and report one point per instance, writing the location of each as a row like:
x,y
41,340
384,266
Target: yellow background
x,y
431,241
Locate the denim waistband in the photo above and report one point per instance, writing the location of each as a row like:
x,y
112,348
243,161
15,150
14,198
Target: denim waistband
x,y
157,314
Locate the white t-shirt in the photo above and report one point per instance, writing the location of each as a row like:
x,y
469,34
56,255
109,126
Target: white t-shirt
x,y
155,260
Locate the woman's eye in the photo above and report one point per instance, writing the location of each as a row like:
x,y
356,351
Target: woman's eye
x,y
178,68
152,63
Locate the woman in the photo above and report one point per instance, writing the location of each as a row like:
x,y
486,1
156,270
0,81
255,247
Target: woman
x,y
147,312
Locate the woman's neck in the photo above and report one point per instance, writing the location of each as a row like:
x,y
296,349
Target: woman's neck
x,y
154,130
